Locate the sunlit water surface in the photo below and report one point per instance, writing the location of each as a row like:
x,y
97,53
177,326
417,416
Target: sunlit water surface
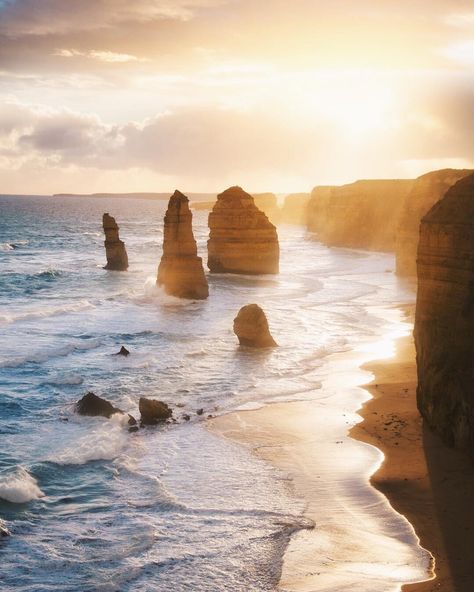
x,y
93,508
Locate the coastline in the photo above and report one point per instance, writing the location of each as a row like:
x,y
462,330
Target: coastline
x,y
428,483
291,436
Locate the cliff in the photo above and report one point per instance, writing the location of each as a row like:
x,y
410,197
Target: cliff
x,y
117,258
295,209
444,322
180,271
241,239
426,191
361,215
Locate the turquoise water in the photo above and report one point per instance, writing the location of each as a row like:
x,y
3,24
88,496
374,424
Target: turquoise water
x,y
92,507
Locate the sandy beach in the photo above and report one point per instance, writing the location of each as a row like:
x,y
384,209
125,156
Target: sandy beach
x,y
430,485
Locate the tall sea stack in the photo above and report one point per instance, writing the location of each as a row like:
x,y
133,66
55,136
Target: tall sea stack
x,y
242,239
426,191
444,323
180,271
117,259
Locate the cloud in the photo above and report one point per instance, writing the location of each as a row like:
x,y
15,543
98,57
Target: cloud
x,y
31,17
102,56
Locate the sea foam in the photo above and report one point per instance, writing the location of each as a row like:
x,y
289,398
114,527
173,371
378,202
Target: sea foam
x,y
19,487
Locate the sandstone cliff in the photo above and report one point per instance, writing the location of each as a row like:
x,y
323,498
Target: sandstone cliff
x,y
426,191
295,209
180,271
241,239
251,327
444,323
267,202
361,215
117,259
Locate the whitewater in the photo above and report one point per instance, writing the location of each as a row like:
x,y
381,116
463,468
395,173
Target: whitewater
x,y
91,507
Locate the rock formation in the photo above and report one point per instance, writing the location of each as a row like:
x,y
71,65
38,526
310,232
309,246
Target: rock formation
x,y
361,215
426,191
180,271
95,406
444,323
123,352
295,209
153,412
251,327
241,239
117,259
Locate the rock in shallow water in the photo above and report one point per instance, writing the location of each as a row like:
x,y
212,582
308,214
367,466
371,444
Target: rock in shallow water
x,y
123,352
153,411
180,271
251,327
117,258
94,406
242,239
444,323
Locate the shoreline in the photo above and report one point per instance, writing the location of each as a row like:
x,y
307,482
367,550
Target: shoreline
x,y
428,483
358,532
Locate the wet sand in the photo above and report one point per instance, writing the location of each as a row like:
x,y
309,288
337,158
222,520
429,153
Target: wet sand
x,y
430,484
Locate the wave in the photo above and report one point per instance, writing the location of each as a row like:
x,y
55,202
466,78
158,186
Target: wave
x,y
19,487
12,246
67,379
46,312
43,356
105,442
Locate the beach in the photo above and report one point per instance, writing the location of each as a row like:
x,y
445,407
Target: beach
x,y
426,482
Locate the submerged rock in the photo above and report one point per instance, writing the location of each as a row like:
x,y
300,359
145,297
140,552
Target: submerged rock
x,y
444,321
4,532
153,411
180,271
117,259
123,352
242,239
92,405
251,327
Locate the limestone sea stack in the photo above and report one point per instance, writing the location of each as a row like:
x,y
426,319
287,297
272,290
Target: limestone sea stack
x,y
242,239
251,327
180,271
117,259
360,215
426,191
444,321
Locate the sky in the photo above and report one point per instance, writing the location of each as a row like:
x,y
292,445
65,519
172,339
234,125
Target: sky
x,y
272,95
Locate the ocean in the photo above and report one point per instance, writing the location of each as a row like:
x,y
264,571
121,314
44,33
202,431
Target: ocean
x,y
92,507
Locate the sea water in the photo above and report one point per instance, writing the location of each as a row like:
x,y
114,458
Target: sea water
x,y
91,507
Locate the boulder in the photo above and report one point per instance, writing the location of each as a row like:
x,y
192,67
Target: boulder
x,y
153,411
426,191
117,259
180,271
242,239
444,320
92,405
251,327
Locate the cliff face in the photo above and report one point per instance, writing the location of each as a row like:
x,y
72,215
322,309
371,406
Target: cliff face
x,y
444,323
426,191
361,215
241,239
295,209
117,259
180,271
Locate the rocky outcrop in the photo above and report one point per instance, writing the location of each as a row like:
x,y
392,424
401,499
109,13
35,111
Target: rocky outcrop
x,y
361,215
153,412
295,209
117,259
95,406
444,322
123,351
242,239
180,271
251,327
427,190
